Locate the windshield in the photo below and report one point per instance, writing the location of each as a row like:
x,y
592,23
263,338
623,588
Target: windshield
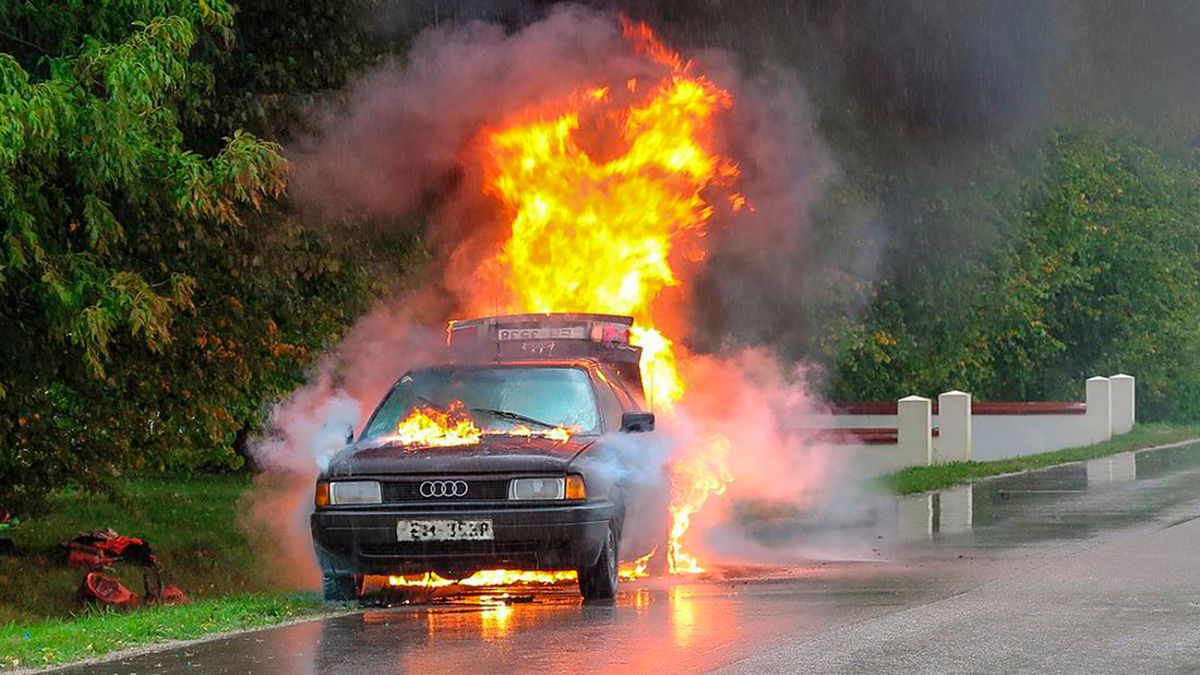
x,y
498,399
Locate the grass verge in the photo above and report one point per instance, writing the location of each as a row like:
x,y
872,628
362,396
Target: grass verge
x,y
54,641
941,476
193,525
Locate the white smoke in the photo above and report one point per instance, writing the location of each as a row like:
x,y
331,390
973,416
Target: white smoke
x,y
396,146
633,469
306,429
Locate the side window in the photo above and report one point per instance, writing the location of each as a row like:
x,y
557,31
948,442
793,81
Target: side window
x,y
393,408
610,407
627,401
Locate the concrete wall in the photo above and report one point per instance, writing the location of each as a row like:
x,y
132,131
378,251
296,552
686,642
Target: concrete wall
x,y
962,430
1003,436
869,461
837,421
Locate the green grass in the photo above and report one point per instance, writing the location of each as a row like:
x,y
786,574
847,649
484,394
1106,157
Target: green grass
x,y
193,525
941,476
54,641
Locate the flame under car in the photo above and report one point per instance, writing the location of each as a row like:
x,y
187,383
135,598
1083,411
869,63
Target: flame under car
x,y
476,464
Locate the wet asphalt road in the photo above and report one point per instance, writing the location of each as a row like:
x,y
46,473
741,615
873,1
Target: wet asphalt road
x,y
1091,567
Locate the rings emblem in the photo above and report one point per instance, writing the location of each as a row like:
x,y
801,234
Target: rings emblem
x,y
443,488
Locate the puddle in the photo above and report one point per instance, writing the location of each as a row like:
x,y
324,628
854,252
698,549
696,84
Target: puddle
x,y
1071,501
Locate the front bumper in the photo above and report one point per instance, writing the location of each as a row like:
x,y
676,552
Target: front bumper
x,y
358,540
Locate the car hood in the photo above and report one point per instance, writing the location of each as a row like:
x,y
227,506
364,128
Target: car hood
x,y
494,454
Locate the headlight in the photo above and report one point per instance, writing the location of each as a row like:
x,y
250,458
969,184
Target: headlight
x,y
354,492
571,487
536,488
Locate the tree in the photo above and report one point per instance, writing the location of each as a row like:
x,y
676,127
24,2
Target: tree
x,y
106,218
1099,274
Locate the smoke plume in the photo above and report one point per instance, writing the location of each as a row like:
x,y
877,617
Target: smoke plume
x,y
307,428
399,143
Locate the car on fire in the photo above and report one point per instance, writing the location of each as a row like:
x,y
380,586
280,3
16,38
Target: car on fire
x,y
481,462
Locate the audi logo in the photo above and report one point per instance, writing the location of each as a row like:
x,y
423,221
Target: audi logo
x,y
443,488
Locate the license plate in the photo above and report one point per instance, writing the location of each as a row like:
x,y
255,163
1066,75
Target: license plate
x,y
552,333
444,530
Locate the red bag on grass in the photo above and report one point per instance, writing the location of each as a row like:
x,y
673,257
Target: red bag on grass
x,y
98,550
105,590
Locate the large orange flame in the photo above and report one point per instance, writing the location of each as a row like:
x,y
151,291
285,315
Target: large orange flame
x,y
428,427
610,193
629,571
693,480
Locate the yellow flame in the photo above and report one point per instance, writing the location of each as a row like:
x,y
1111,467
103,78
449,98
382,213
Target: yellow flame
x,y
560,434
660,376
693,481
636,569
607,191
427,427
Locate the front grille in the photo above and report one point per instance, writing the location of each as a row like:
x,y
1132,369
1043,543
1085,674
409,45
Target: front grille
x,y
410,491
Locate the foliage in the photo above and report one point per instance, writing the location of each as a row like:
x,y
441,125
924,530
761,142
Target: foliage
x,y
286,57
155,294
1100,274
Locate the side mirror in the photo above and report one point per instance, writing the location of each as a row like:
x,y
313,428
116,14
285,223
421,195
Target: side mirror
x,y
636,422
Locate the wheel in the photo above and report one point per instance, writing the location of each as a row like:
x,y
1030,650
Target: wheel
x,y
339,587
339,583
599,581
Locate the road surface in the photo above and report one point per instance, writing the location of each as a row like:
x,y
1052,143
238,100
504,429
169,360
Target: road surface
x,y
1089,567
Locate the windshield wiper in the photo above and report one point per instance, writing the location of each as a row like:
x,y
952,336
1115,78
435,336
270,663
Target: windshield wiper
x,y
508,414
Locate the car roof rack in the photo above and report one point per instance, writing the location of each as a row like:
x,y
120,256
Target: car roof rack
x,y
549,336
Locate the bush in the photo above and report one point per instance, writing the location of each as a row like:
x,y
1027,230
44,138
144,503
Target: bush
x,y
1099,275
152,297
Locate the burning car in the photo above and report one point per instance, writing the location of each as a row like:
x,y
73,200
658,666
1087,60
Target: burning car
x,y
479,463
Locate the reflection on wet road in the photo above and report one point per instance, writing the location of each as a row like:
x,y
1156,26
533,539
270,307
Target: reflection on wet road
x,y
1067,502
929,548
653,627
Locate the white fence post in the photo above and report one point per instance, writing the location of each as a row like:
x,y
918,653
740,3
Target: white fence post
x,y
954,428
914,437
1123,410
1099,410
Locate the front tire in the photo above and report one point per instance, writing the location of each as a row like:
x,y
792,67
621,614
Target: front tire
x,y
599,581
339,587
